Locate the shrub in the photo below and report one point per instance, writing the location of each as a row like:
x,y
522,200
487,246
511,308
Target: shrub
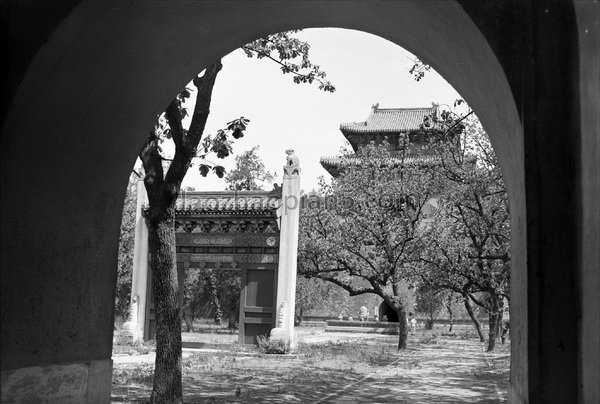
x,y
268,346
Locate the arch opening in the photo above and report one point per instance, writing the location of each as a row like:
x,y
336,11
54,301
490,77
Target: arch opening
x,y
85,72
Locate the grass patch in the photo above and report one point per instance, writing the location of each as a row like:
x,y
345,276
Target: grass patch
x,y
131,375
209,363
124,345
467,334
429,339
348,352
330,366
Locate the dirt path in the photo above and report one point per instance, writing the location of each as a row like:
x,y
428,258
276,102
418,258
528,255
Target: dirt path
x,y
450,373
338,368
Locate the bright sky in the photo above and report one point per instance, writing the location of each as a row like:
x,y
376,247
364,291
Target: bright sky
x,y
365,70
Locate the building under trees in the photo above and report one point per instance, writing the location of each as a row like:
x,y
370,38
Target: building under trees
x,y
407,133
375,217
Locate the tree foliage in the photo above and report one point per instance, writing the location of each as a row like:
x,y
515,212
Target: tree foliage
x,y
430,301
192,287
418,69
310,294
226,286
468,238
213,291
363,231
249,172
292,54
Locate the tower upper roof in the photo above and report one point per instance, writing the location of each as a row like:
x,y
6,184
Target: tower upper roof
x,y
390,120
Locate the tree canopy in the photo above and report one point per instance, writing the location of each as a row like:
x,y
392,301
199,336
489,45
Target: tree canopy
x,y
467,247
249,172
369,231
362,232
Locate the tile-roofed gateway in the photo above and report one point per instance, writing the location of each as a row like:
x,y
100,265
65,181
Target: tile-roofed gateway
x,y
253,234
231,231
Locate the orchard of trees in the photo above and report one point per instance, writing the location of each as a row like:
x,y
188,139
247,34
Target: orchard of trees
x,y
440,226
468,248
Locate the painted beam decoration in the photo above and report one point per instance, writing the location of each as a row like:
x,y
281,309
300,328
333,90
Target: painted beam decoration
x,y
226,229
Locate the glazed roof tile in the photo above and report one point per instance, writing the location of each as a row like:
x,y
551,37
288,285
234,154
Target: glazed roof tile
x,y
230,202
390,120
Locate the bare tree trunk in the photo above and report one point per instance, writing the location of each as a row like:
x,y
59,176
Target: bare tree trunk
x,y
402,328
469,309
430,321
211,280
189,321
450,314
495,319
165,286
300,316
162,189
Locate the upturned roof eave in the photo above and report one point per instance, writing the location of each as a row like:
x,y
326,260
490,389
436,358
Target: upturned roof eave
x,y
360,131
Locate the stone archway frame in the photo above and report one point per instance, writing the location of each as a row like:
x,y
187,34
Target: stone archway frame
x,y
95,88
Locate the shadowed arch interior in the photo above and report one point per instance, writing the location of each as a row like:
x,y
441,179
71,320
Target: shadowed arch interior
x,y
88,100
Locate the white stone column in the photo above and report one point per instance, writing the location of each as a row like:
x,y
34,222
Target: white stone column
x,y
289,214
139,279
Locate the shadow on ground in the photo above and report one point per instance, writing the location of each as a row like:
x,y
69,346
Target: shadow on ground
x,y
444,370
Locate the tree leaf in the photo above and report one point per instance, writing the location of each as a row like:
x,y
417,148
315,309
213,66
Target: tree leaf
x,y
219,171
204,169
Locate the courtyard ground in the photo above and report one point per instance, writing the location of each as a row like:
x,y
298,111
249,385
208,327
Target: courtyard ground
x,y
329,368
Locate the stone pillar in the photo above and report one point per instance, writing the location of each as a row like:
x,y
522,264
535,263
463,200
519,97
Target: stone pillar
x,y
289,214
139,278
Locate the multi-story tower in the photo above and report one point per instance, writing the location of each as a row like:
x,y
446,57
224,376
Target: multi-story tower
x,y
409,132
